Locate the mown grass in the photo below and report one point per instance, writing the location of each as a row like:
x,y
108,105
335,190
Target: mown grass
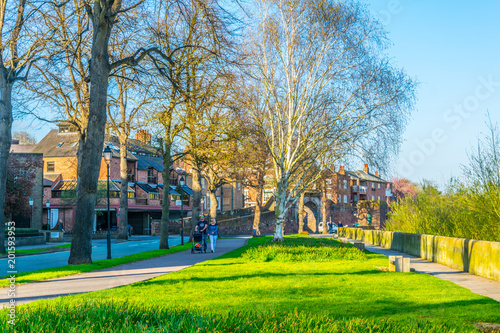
x,y
43,249
52,273
240,293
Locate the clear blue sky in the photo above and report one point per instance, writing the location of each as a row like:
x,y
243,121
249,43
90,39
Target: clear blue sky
x,y
453,49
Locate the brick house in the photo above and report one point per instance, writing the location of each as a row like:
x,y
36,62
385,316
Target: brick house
x,y
145,181
34,219
345,192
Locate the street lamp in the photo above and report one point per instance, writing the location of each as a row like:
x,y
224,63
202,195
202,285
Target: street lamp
x,y
48,214
181,183
31,215
108,154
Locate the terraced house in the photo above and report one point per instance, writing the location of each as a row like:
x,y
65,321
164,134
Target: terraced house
x,y
351,196
145,181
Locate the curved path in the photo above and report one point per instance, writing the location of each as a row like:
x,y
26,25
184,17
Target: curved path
x,y
116,276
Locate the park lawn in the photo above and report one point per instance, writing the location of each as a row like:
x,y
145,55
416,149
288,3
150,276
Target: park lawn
x,y
43,249
56,272
272,288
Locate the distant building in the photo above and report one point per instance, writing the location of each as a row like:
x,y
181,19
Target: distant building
x,y
145,181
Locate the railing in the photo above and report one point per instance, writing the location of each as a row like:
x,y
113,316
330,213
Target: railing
x,y
362,189
355,188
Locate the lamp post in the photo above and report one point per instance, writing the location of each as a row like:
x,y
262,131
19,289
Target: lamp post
x,y
108,154
181,183
48,214
31,214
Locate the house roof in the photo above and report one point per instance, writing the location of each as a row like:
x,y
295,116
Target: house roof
x,y
172,189
56,144
146,162
70,185
17,148
359,174
148,188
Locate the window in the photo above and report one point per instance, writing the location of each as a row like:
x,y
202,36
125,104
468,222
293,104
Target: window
x,y
59,144
373,198
345,184
245,195
154,196
328,183
131,195
378,198
203,183
239,186
51,166
345,198
329,196
339,199
373,185
379,186
355,197
340,185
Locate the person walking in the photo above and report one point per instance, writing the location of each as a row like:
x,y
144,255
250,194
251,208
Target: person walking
x,y
202,226
213,230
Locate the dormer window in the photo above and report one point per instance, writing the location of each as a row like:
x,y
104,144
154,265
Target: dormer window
x,y
59,144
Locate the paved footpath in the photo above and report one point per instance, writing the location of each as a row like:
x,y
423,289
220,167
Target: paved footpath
x,y
117,276
476,284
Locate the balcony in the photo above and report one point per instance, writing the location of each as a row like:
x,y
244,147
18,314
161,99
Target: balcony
x,y
362,189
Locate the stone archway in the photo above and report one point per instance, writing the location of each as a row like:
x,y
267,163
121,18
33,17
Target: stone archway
x,y
312,218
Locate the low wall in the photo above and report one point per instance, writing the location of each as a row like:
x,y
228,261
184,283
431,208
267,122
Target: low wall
x,y
31,240
476,257
242,225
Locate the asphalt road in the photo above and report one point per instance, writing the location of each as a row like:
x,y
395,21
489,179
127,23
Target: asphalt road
x,y
99,251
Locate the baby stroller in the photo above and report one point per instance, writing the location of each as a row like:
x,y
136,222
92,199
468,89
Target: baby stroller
x,y
198,245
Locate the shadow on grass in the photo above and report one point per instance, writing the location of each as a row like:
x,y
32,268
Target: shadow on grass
x,y
169,280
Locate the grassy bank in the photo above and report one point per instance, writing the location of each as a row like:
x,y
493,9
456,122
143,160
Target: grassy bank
x,y
302,285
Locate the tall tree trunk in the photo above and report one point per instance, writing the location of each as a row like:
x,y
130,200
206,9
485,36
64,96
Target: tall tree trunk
x,y
257,210
323,207
165,207
123,226
5,142
279,212
91,141
213,203
196,178
301,212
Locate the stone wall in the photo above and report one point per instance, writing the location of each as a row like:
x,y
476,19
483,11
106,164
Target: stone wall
x,y
237,226
476,257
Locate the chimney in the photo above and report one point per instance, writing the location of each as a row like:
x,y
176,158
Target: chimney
x,y
342,170
366,168
377,174
143,136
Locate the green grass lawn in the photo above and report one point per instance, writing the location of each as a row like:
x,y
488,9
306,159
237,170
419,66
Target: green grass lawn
x,y
303,285
52,273
43,249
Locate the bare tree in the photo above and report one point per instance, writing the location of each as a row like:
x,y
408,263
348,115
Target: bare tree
x,y
326,89
21,44
24,138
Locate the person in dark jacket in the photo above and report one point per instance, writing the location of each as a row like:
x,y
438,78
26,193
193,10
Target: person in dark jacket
x,y
213,230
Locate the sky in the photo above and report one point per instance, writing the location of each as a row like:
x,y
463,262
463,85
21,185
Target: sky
x,y
452,48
